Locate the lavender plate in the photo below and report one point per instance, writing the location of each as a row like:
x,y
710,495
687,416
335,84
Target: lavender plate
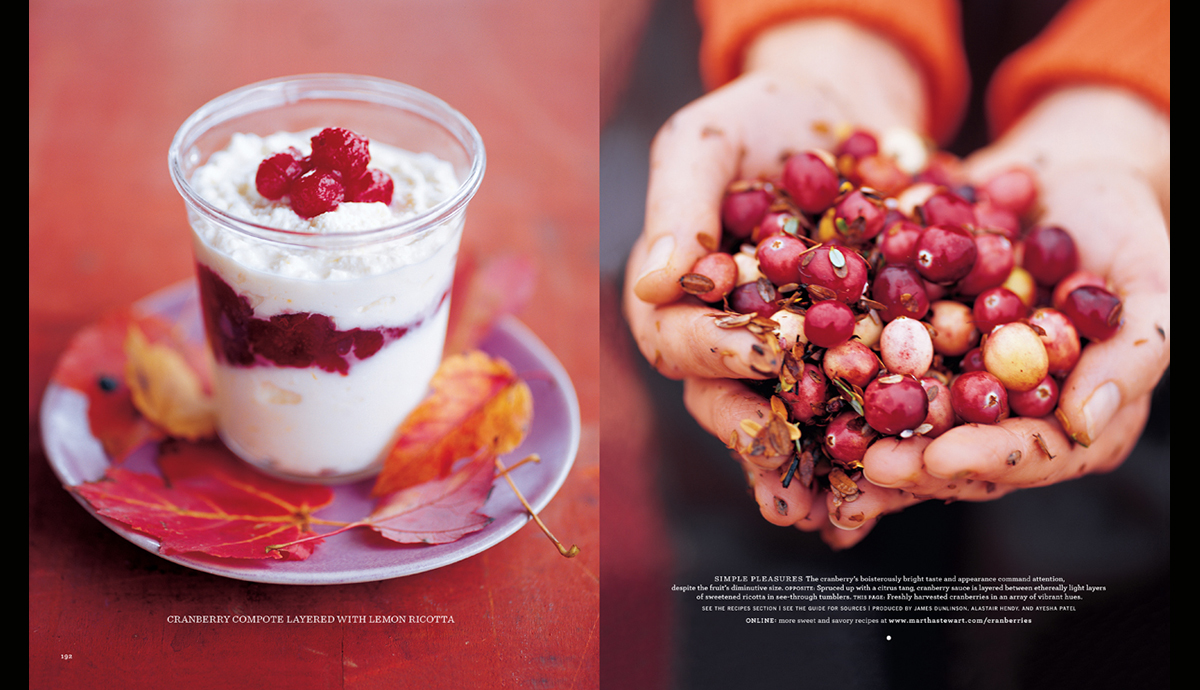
x,y
357,555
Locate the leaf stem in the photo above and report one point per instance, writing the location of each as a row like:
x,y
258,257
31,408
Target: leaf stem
x,y
569,553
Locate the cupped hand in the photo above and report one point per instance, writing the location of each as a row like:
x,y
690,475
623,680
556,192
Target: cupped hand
x,y
1110,187
788,100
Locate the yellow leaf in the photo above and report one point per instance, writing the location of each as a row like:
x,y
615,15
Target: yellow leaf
x,y
165,389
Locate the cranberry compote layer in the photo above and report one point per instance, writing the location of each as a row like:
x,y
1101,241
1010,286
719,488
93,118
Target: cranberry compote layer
x,y
301,340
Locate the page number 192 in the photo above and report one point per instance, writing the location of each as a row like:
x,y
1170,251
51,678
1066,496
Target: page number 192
x,y
65,657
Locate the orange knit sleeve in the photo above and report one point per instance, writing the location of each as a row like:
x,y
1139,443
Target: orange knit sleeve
x,y
1120,42
928,30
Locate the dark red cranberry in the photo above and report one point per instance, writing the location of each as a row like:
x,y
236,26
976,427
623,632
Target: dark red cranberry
x,y
898,243
1038,402
758,297
901,291
374,185
741,212
945,253
828,323
839,269
979,397
276,174
810,181
806,400
342,150
995,306
972,361
1096,312
895,403
947,208
317,191
1050,254
779,258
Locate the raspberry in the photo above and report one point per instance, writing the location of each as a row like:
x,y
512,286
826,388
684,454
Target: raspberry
x,y
373,185
317,191
276,174
342,150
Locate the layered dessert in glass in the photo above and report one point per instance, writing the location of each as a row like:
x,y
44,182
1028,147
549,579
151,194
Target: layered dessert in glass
x,y
325,324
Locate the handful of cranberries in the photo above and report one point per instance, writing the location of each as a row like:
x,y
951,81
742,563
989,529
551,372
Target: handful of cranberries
x,y
899,302
336,171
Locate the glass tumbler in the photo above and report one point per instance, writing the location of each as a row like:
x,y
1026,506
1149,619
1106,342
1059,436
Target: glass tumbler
x,y
324,335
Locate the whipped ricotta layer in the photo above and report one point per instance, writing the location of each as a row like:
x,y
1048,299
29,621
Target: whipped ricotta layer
x,y
271,307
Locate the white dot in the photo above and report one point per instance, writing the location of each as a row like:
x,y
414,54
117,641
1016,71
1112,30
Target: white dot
x,y
889,637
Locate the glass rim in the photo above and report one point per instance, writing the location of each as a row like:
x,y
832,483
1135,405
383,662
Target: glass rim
x,y
264,95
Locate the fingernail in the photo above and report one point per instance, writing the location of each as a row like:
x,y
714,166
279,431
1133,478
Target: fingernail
x,y
658,257
1099,409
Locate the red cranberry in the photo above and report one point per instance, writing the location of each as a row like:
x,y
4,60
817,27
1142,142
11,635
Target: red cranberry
x,y
996,306
992,217
774,223
895,403
847,437
1037,402
993,264
839,269
340,149
754,298
972,361
898,243
828,323
901,291
275,176
861,215
374,185
742,211
810,181
979,397
779,258
315,192
807,398
1050,254
945,253
947,208
1096,312
858,144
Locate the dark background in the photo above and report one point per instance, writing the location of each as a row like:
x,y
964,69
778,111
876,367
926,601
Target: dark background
x,y
1111,530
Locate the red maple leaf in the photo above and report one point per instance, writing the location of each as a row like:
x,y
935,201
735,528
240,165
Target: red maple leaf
x,y
210,502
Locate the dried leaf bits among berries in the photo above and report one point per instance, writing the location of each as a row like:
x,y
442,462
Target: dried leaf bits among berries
x,y
334,173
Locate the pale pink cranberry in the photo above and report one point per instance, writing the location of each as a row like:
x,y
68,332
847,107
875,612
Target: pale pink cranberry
x,y
1014,190
906,347
1059,336
722,270
852,362
954,328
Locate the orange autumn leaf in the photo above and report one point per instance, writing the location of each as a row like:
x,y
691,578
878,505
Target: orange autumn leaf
x,y
476,403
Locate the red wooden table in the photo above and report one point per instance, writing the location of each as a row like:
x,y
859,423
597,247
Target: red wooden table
x,y
109,85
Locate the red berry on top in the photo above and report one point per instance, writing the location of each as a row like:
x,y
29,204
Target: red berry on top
x,y
276,174
340,149
373,185
317,191
810,181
